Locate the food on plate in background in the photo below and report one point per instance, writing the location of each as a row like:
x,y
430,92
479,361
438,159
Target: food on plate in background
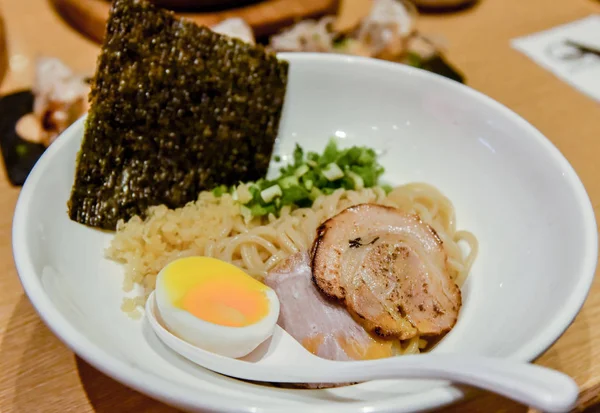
x,y
383,33
236,28
33,119
60,98
175,109
305,36
384,29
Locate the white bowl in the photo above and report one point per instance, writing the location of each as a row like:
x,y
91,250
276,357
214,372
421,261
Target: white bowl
x,y
510,186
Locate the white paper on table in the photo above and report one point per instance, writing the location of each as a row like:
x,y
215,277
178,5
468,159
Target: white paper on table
x,y
550,50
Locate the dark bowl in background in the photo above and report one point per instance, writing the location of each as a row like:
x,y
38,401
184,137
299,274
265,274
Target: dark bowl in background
x,y
201,5
444,5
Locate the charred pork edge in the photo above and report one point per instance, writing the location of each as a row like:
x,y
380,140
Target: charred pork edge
x,y
322,232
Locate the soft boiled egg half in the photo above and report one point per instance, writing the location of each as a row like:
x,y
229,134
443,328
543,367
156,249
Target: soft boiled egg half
x,y
215,305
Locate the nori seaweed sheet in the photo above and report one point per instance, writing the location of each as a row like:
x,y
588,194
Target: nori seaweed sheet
x,y
175,109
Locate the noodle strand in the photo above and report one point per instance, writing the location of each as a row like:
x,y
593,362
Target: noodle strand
x,y
213,226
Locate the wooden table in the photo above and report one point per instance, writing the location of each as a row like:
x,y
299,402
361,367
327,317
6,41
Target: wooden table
x,y
39,374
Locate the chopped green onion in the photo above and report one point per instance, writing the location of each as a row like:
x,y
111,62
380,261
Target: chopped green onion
x,y
288,182
298,155
315,193
246,213
219,191
309,176
259,210
357,180
294,195
270,193
243,193
301,170
330,154
332,172
367,157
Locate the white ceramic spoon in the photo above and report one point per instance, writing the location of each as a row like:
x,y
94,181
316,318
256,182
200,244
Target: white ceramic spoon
x,y
281,359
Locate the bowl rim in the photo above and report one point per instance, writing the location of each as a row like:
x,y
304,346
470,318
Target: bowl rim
x,y
170,393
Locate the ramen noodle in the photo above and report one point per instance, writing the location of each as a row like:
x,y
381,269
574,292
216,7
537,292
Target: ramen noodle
x,y
214,226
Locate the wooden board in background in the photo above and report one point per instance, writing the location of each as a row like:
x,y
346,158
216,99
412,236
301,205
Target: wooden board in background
x,y
265,17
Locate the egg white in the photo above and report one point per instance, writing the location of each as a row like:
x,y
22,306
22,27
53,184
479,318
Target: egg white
x,y
233,342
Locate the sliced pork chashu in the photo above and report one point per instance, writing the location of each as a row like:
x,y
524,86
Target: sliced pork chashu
x,y
321,324
389,269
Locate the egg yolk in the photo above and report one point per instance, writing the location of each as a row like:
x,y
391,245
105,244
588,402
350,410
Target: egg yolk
x,y
215,291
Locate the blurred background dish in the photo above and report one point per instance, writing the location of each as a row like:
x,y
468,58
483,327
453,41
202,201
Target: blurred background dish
x,y
264,17
443,4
